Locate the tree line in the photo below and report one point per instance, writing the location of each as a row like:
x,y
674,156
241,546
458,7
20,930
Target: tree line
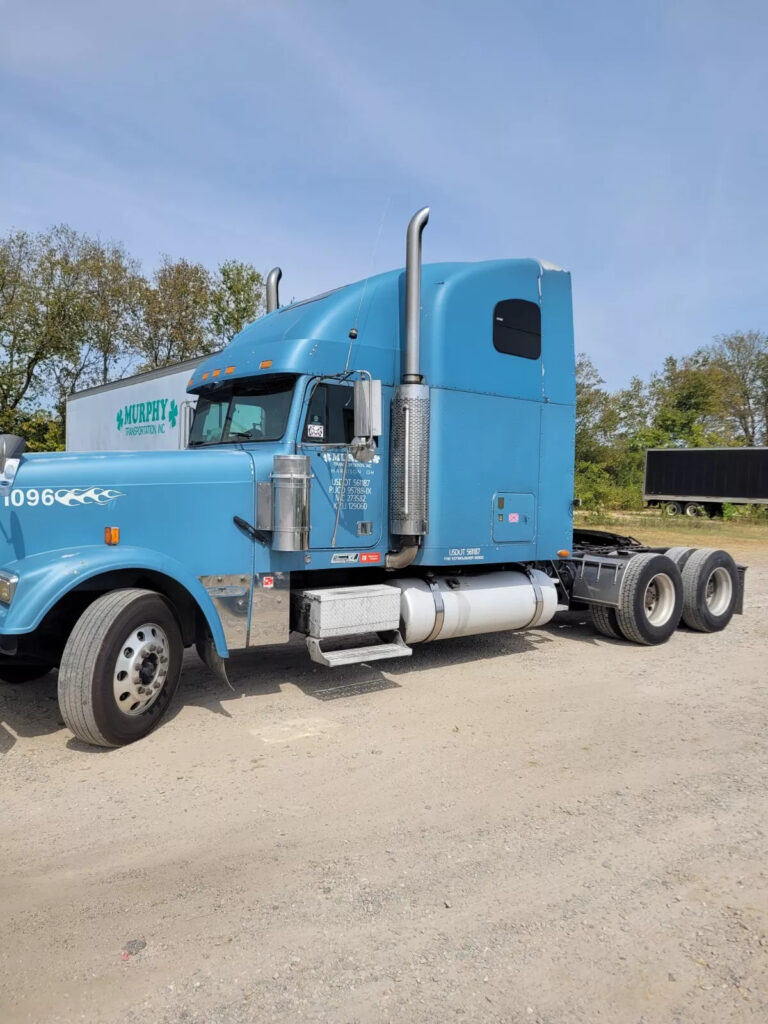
x,y
76,312
717,396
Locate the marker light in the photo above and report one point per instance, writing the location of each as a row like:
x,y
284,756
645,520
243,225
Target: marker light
x,y
8,581
230,369
563,553
216,373
189,382
206,375
111,534
265,364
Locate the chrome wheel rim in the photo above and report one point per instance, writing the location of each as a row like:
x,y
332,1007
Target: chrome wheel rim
x,y
659,599
141,669
718,591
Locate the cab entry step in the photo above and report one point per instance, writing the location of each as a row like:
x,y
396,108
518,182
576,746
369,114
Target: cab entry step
x,y
356,655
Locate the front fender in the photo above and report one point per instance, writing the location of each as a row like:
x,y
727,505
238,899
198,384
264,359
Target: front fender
x,y
45,578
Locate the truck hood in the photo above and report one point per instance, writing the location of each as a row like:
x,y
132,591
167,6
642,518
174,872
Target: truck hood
x,y
180,503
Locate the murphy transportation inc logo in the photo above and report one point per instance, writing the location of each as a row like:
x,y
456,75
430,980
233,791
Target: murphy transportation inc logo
x,y
147,417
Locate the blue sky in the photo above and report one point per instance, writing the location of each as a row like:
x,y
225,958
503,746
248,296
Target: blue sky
x,y
624,141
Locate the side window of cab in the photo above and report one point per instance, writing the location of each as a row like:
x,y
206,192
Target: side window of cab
x,y
517,328
331,415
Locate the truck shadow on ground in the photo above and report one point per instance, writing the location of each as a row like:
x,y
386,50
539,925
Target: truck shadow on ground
x,y
31,710
268,670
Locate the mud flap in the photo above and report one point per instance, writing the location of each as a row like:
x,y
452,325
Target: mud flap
x,y
210,657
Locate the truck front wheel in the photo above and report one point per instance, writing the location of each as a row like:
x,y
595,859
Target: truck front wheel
x,y
120,667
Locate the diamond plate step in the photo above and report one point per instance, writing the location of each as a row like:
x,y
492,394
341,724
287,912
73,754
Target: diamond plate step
x,y
356,655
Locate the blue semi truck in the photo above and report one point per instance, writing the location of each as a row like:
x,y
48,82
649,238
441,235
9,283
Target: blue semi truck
x,y
387,464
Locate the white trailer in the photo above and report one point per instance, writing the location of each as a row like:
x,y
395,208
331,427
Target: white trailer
x,y
147,412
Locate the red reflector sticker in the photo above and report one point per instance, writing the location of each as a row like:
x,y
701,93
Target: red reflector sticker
x,y
268,582
370,556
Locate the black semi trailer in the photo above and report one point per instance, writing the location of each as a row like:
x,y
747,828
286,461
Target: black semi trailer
x,y
698,481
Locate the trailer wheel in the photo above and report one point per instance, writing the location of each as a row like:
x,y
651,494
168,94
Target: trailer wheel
x,y
651,599
120,667
710,590
671,508
604,620
695,510
21,673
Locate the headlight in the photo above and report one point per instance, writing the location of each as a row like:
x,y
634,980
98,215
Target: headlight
x,y
8,581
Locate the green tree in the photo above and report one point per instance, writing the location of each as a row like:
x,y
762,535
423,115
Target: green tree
x,y
237,298
688,408
43,310
593,407
742,359
174,321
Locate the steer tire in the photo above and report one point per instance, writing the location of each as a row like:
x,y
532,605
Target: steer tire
x,y
108,643
710,590
648,574
604,620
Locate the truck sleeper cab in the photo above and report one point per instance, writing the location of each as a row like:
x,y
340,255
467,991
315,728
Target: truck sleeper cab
x,y
390,463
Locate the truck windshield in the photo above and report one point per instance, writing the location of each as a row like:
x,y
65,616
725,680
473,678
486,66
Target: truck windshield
x,y
247,411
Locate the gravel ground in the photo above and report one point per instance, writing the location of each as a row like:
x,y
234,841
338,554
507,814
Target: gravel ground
x,y
544,827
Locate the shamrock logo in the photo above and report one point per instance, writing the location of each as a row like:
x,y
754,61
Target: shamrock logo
x,y
119,419
173,413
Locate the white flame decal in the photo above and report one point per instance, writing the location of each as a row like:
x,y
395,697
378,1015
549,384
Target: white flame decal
x,y
86,496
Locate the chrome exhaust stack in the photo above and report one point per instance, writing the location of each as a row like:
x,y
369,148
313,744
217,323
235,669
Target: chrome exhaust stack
x,y
409,454
418,222
273,296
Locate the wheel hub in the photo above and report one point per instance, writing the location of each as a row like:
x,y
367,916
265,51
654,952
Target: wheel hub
x,y
659,599
718,591
141,669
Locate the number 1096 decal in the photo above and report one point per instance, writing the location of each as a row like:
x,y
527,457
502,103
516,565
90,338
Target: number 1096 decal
x,y
67,496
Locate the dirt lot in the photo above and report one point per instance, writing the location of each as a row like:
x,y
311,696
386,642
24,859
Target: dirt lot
x,y
546,827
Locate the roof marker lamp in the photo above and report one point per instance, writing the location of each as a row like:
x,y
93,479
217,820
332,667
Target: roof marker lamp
x,y
8,581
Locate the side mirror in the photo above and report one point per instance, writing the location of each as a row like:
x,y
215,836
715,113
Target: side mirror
x,y
367,419
367,409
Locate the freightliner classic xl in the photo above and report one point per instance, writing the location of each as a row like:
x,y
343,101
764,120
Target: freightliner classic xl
x,y
387,464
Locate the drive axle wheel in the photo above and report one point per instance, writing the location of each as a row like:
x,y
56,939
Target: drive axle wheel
x,y
651,599
710,589
120,667
604,620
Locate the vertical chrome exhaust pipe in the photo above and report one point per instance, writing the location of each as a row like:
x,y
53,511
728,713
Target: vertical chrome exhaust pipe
x,y
409,454
418,222
273,296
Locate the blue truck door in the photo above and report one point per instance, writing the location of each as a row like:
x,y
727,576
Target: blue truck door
x,y
327,429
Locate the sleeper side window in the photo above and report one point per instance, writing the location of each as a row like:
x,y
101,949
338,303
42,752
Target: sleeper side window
x,y
331,415
517,328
